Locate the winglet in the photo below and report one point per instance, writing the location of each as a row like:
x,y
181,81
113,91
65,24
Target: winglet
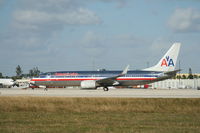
x,y
125,70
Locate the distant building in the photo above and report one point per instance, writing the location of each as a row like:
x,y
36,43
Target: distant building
x,y
177,83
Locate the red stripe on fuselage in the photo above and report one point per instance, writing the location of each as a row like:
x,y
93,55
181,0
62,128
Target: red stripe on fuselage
x,y
81,79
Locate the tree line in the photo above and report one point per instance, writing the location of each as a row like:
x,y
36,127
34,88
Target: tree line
x,y
19,73
192,76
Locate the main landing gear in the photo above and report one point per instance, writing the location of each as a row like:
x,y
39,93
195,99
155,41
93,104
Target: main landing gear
x,y
105,88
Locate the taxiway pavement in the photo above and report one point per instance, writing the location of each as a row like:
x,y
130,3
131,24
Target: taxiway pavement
x,y
121,93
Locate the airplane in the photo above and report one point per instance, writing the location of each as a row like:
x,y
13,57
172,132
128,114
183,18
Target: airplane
x,y
164,69
7,83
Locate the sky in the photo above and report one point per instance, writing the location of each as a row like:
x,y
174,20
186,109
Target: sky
x,y
56,35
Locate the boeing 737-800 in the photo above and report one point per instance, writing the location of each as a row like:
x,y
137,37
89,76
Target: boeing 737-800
x,y
164,69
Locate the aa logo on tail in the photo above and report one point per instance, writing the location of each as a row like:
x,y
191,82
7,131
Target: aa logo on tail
x,y
167,61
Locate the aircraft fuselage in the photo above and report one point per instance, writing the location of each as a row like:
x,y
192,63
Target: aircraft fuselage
x,y
74,78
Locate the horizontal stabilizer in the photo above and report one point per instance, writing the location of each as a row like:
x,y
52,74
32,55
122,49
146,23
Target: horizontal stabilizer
x,y
173,72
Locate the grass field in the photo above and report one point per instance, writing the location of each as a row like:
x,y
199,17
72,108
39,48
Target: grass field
x,y
98,115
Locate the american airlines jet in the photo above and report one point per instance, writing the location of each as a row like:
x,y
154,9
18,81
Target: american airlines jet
x,y
164,69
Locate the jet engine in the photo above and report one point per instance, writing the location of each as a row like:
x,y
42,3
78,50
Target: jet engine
x,y
88,84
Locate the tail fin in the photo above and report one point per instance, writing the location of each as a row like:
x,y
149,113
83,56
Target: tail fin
x,y
168,61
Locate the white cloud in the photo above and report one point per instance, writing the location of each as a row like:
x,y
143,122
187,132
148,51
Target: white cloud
x,y
185,20
34,24
120,3
80,16
42,18
33,19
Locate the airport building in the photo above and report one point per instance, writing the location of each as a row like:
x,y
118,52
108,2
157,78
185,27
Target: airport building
x,y
177,83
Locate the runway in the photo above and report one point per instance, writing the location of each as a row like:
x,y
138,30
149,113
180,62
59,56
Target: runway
x,y
120,93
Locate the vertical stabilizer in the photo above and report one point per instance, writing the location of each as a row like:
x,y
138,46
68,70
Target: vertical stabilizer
x,y
168,61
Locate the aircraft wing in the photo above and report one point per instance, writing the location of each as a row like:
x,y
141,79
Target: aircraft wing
x,y
110,81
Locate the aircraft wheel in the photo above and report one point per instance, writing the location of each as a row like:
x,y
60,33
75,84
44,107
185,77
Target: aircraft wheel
x,y
46,89
105,89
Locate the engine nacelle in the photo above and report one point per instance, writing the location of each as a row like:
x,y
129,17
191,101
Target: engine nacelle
x,y
88,84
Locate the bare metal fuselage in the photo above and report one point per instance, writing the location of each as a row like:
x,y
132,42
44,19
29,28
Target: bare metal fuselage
x,y
132,78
